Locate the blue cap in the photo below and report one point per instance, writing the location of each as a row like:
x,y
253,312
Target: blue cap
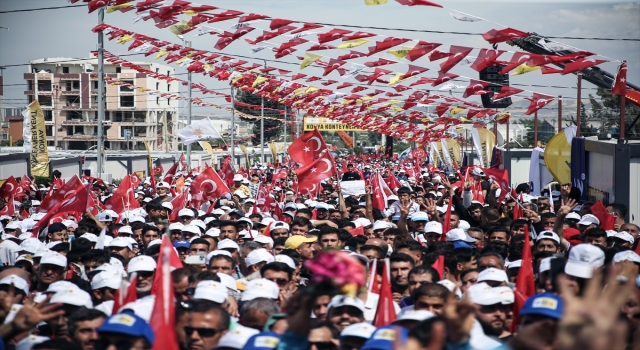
x,y
546,304
263,341
383,338
128,324
55,227
461,245
182,244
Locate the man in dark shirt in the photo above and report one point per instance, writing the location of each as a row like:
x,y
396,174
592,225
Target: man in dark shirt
x,y
350,175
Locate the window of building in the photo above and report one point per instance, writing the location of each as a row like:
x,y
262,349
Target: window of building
x,y
44,85
48,129
126,132
124,88
74,115
5,136
65,69
48,115
118,69
45,101
30,85
127,101
72,101
72,85
94,85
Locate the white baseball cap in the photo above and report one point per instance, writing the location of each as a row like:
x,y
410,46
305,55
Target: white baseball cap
x,y
285,259
54,258
478,172
513,264
163,184
238,177
120,242
257,256
364,222
228,281
213,232
627,255
167,205
573,215
125,229
458,234
433,226
548,235
228,244
493,274
583,259
104,216
625,236
30,245
508,297
141,263
211,290
381,225
545,264
588,219
236,338
344,300
73,296
359,330
263,240
30,341
482,294
215,253
420,216
279,225
186,212
90,236
17,281
260,288
109,277
393,197
415,315
191,228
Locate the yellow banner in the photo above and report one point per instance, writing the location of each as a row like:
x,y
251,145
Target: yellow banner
x,y
206,146
326,124
453,147
39,145
244,150
483,140
557,155
274,152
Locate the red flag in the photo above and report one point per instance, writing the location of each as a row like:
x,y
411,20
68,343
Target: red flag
x,y
619,86
446,225
374,287
332,35
24,214
159,170
517,59
439,265
505,91
457,54
442,77
26,183
580,64
9,208
517,210
418,2
497,36
56,198
538,101
124,196
226,172
385,312
607,220
525,284
501,177
168,176
207,186
124,296
10,188
307,147
486,57
422,48
378,195
163,315
310,175
178,203
74,200
358,231
476,87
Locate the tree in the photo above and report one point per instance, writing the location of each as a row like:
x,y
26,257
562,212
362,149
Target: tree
x,y
545,131
273,127
610,114
374,138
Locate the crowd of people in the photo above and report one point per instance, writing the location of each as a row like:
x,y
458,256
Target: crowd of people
x,y
453,249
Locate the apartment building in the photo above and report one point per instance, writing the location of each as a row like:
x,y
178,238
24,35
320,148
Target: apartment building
x,y
67,90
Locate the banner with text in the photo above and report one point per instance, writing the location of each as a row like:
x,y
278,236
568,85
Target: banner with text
x,y
39,146
326,124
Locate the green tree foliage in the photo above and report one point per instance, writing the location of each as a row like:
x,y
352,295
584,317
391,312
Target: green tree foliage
x,y
255,100
545,132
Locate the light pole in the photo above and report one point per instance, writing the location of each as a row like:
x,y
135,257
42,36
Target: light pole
x,y
100,147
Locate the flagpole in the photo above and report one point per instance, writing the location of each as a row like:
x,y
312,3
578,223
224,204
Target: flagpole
x,y
284,136
559,113
99,150
188,44
578,116
535,130
262,130
622,115
233,129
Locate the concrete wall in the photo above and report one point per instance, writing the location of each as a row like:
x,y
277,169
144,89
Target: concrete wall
x,y
67,166
16,165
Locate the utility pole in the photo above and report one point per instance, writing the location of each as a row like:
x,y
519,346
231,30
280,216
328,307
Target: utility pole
x,y
578,112
100,147
233,129
54,96
622,117
559,114
262,130
188,44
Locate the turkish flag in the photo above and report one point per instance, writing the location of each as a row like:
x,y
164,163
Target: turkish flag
x,y
307,147
73,200
418,2
378,196
26,183
178,203
96,4
501,177
24,214
358,231
505,91
413,71
438,265
525,283
207,186
538,101
393,182
476,87
457,53
264,201
123,197
310,175
10,188
422,48
497,36
57,197
9,209
517,59
619,86
517,210
580,64
446,225
168,176
374,287
157,170
385,312
443,77
332,35
123,296
226,172
486,57
163,316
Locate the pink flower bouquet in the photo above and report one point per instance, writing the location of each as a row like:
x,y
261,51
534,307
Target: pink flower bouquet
x,y
337,270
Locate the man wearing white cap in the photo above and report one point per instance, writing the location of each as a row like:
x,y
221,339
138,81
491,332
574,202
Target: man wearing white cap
x,y
185,216
547,241
583,260
344,311
144,267
162,190
238,186
51,269
73,298
255,260
121,246
490,311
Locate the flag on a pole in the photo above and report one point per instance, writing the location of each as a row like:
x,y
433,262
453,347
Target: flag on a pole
x,y
198,131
